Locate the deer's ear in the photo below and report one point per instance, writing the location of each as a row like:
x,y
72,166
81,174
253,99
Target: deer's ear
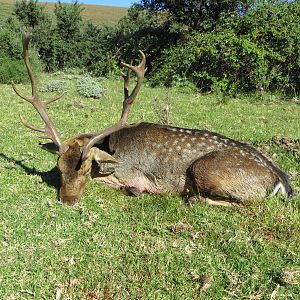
x,y
50,147
102,156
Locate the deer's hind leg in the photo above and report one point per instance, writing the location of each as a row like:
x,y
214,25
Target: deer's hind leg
x,y
229,177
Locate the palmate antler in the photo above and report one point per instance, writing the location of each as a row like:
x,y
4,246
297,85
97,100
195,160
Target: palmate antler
x,y
49,130
140,71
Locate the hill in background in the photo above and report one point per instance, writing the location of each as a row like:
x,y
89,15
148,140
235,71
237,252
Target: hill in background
x,y
97,14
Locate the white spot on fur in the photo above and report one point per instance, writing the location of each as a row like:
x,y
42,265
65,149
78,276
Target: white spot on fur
x,y
188,145
193,139
178,148
188,131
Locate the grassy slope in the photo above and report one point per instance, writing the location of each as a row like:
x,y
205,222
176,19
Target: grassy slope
x,y
97,14
115,247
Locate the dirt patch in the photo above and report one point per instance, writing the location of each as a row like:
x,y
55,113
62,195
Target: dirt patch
x,y
292,145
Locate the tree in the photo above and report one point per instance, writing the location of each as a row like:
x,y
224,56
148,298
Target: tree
x,y
68,19
201,14
30,13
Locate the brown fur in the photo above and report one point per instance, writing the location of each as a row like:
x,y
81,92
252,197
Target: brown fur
x,y
163,159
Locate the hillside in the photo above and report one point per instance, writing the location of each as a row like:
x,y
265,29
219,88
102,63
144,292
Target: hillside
x,y
97,14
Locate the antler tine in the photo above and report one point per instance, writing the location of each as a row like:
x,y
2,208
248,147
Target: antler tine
x,y
39,105
31,126
140,71
99,137
55,99
26,39
126,78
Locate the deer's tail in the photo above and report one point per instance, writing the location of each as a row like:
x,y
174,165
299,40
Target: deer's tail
x,y
282,185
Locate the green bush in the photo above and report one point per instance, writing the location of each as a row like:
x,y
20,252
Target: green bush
x,y
15,70
55,86
10,42
222,62
258,51
249,46
88,87
139,30
12,67
12,70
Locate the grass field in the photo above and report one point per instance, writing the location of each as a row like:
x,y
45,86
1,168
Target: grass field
x,y
97,14
115,247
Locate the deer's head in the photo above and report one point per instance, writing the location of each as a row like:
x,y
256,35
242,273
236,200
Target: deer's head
x,y
75,155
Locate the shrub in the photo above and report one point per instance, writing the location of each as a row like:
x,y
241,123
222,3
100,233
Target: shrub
x,y
30,13
12,66
246,55
15,70
55,86
12,70
88,87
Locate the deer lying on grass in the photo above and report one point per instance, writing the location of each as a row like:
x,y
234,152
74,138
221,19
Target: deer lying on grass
x,y
158,159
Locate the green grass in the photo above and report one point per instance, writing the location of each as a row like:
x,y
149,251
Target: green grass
x,y
97,14
115,247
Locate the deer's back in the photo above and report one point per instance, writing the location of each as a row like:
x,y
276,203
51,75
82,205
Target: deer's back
x,y
155,158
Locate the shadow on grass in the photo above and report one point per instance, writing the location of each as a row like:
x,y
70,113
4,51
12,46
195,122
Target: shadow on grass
x,y
51,178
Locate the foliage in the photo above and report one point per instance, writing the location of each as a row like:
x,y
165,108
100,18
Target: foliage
x,y
12,67
259,51
55,86
10,41
223,62
12,70
88,87
30,13
100,55
60,45
201,15
68,20
224,46
275,28
139,30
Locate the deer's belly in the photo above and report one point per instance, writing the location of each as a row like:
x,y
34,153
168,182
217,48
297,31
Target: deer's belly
x,y
145,182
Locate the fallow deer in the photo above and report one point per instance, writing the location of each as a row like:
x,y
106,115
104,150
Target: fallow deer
x,y
158,159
